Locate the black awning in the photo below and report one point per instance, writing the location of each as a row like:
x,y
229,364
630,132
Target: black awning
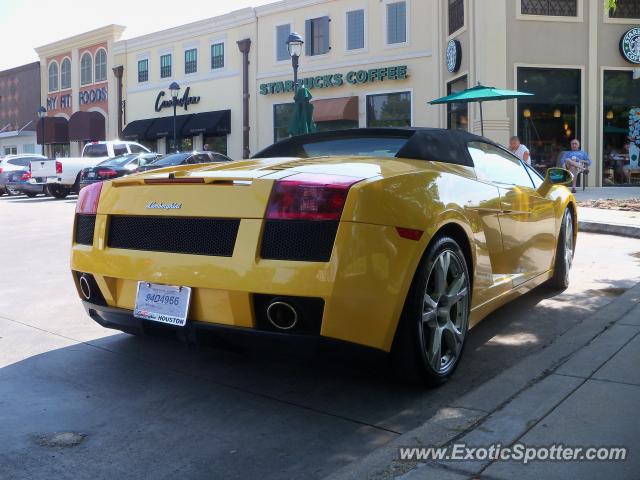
x,y
138,130
209,123
163,127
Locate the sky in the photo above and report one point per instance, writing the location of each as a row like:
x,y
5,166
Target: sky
x,y
26,24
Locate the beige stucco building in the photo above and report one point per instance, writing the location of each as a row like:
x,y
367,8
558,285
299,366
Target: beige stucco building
x,y
378,63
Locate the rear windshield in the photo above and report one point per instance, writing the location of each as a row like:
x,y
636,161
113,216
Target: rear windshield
x,y
95,150
353,146
174,159
118,161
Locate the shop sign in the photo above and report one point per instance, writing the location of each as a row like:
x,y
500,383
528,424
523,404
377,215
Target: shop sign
x,y
59,102
334,80
630,45
454,56
95,95
183,102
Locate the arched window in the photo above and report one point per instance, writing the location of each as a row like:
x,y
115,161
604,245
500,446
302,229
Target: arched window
x,y
86,69
101,65
65,74
53,76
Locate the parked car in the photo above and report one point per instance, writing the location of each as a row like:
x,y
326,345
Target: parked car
x,y
19,182
395,240
10,163
116,167
62,175
188,158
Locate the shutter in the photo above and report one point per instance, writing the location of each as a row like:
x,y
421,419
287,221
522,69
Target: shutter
x,y
355,28
397,22
326,45
308,33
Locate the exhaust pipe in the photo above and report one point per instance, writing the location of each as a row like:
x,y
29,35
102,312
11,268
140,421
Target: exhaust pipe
x,y
85,288
282,315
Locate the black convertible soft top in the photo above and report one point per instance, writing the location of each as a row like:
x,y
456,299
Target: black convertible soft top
x,y
434,144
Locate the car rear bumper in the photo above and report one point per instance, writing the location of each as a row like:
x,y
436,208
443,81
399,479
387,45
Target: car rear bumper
x,y
27,187
207,334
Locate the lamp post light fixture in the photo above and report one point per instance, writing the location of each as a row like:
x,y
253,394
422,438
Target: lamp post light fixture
x,y
294,46
41,112
174,88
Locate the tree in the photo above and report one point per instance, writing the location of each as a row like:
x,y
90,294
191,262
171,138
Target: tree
x,y
610,5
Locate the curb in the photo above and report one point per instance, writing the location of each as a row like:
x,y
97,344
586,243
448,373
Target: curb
x,y
478,405
609,229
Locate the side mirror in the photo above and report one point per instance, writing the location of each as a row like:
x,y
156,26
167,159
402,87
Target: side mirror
x,y
555,176
559,176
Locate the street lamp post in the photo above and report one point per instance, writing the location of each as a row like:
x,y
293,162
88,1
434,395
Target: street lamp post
x,y
174,88
294,46
42,112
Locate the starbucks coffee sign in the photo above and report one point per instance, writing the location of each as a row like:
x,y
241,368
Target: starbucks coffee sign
x,y
454,56
630,45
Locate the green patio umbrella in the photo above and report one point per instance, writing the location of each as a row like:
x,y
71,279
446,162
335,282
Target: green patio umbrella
x,y
480,93
302,119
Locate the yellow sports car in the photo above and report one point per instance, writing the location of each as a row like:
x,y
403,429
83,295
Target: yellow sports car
x,y
399,240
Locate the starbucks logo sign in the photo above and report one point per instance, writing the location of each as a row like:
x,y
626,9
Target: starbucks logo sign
x,y
454,56
630,45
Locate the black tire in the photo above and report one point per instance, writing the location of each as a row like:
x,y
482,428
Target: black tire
x,y
31,194
564,253
58,191
76,186
426,317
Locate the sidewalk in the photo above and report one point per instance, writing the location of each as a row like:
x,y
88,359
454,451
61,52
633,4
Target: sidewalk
x,y
612,222
582,391
616,193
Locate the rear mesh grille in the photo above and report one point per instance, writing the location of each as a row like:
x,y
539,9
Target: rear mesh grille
x,y
194,236
85,225
301,240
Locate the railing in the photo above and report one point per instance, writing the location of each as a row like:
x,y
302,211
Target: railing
x,y
456,15
165,71
191,66
626,9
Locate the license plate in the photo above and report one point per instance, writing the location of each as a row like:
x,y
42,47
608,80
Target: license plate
x,y
52,179
91,175
162,303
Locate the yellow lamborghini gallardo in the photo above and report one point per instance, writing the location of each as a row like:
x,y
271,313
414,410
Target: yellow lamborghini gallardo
x,y
395,239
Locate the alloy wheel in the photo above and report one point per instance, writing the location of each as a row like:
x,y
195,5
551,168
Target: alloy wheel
x,y
568,241
445,312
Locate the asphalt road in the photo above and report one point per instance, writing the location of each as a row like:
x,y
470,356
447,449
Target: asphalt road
x,y
148,408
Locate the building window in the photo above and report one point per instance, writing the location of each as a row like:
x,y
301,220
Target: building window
x,y
282,115
282,35
65,74
389,110
86,69
396,22
626,9
621,131
143,70
53,77
553,8
191,60
355,30
216,143
456,15
165,66
549,120
217,56
317,34
457,113
101,65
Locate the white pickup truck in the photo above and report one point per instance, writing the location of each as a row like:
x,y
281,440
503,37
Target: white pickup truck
x,y
62,174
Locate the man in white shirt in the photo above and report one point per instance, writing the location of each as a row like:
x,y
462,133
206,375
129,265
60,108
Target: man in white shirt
x,y
519,150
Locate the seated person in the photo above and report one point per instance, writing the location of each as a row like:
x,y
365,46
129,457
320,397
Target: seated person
x,y
576,161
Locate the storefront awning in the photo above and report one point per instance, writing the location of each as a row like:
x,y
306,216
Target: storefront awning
x,y
138,130
209,123
87,127
56,130
332,109
163,127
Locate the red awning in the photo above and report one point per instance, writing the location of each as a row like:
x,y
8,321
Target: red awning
x,y
87,127
56,130
332,109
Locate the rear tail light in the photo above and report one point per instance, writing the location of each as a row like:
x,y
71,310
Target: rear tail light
x,y
1,168
88,199
58,168
108,173
26,176
309,197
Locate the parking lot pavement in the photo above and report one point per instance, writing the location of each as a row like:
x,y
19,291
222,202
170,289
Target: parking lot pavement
x,y
147,408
